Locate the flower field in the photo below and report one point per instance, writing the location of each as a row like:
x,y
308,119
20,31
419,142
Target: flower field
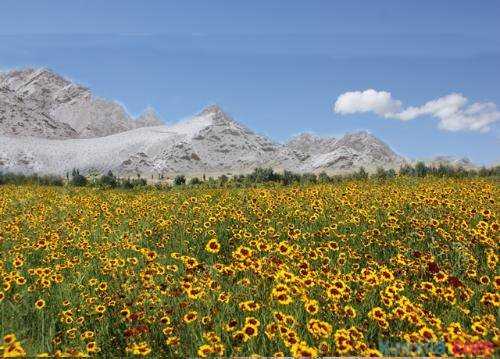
x,y
315,270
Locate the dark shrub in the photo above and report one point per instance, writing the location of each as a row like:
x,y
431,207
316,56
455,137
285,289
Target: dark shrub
x,y
323,177
50,180
179,180
223,179
77,179
264,175
421,169
308,178
380,174
290,178
194,181
108,180
361,174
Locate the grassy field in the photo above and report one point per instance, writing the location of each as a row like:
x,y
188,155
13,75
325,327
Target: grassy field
x,y
302,271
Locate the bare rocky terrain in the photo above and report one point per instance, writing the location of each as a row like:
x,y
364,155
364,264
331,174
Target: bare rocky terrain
x,y
50,125
41,103
21,117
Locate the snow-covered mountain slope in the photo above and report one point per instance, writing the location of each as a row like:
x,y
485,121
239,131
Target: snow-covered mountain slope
x,y
50,125
45,94
213,142
210,142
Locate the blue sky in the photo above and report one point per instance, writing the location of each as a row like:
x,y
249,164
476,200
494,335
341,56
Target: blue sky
x,y
276,66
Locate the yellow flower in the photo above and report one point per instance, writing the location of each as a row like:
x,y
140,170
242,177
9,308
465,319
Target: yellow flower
x,y
319,329
302,350
100,309
172,341
92,347
249,331
141,349
204,350
190,316
349,311
311,306
40,304
249,306
212,246
427,334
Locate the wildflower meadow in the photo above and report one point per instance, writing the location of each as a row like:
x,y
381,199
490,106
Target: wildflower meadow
x,y
303,271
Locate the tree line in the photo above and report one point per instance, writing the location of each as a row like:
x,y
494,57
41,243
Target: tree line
x,y
258,176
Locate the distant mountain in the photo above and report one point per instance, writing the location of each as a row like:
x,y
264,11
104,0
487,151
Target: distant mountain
x,y
352,151
311,144
210,142
148,118
450,161
69,110
48,124
21,117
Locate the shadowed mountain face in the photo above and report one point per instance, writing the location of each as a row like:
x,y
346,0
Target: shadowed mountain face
x,y
50,125
22,117
311,144
70,110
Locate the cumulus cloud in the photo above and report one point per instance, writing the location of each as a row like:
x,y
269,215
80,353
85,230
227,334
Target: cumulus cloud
x,y
451,110
380,102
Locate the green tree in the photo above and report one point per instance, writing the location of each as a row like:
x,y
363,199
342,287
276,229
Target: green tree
x,y
380,174
108,180
361,173
179,180
421,169
323,177
290,178
194,181
77,179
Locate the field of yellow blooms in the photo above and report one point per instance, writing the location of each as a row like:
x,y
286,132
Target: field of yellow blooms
x,y
315,270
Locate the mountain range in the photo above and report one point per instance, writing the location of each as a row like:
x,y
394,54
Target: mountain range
x,y
40,103
48,124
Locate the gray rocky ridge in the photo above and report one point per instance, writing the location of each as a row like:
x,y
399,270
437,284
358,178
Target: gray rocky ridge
x,y
50,125
21,117
311,144
70,110
449,161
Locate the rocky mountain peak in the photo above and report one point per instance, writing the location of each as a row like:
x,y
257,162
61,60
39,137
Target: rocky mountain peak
x,y
217,115
352,151
311,144
29,82
359,135
221,121
211,110
443,158
451,161
40,103
64,109
305,137
149,118
360,139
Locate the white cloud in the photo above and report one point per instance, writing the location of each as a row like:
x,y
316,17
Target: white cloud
x,y
442,107
451,110
369,100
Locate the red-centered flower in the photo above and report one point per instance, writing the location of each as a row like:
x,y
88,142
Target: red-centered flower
x,y
454,281
433,267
